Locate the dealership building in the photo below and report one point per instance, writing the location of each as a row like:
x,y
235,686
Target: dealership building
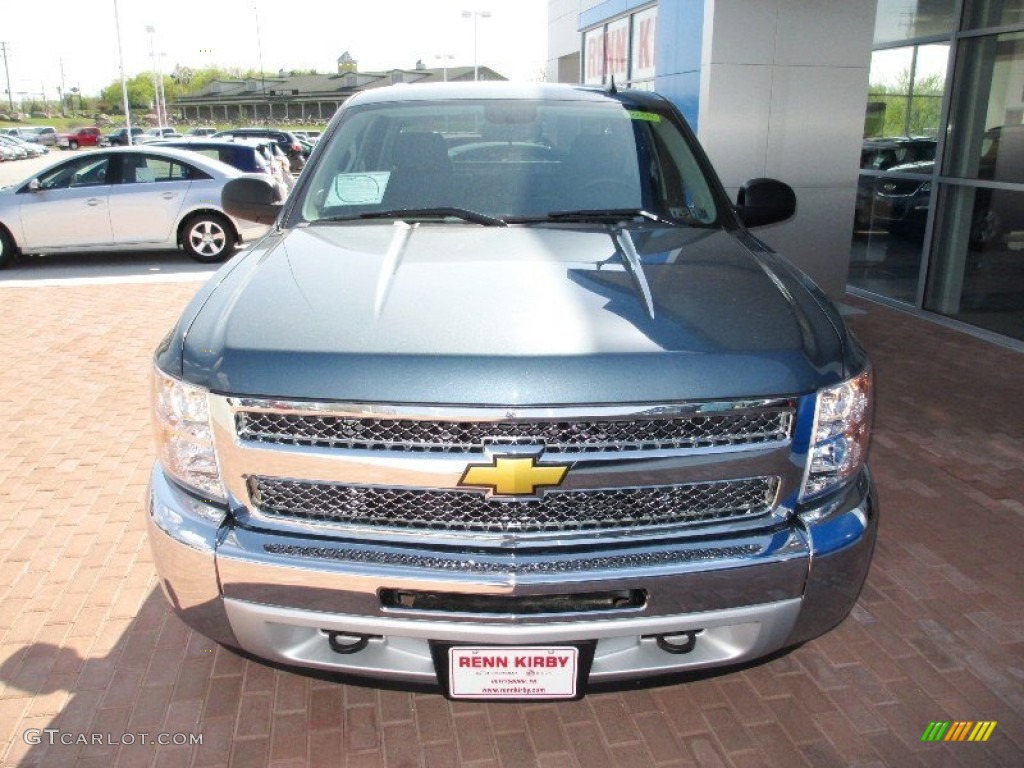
x,y
899,124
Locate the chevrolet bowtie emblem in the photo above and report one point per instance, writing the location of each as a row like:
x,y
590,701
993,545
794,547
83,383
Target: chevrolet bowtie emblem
x,y
513,475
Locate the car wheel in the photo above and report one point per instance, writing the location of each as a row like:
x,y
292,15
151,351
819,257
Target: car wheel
x,y
208,238
72,145
7,249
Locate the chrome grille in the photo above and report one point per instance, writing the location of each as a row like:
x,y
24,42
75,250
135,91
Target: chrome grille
x,y
472,511
557,436
517,566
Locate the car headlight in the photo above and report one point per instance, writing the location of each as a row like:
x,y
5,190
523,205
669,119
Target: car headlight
x,y
839,442
181,420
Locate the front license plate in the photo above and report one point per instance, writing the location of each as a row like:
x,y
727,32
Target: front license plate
x,y
513,673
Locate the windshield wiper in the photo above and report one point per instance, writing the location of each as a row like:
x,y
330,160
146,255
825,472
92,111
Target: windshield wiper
x,y
600,215
440,213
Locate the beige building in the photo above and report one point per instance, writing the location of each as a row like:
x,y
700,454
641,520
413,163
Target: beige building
x,y
303,98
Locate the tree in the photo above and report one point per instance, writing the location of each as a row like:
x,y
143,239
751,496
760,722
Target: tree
x,y
910,108
140,93
180,81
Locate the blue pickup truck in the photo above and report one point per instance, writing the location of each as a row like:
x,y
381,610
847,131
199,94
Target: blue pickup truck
x,y
511,401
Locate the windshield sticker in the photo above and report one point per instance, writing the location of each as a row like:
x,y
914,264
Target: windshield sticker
x,y
648,116
358,188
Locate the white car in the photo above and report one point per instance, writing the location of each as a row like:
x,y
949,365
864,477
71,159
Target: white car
x,y
30,147
124,198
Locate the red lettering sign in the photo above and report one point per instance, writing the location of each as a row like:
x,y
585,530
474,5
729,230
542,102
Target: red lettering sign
x,y
646,44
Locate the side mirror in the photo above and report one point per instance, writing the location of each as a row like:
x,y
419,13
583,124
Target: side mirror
x,y
33,185
765,201
252,198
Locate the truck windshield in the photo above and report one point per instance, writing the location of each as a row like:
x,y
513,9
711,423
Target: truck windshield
x,y
513,160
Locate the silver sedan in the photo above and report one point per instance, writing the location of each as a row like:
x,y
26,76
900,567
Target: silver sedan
x,y
128,198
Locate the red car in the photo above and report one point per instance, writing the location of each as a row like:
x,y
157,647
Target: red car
x,y
80,137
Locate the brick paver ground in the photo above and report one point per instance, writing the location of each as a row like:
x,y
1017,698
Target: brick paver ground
x,y
87,644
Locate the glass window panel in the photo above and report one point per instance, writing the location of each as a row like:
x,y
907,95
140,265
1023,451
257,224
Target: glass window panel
x,y
993,13
987,126
897,20
977,271
593,56
905,91
889,223
644,24
616,51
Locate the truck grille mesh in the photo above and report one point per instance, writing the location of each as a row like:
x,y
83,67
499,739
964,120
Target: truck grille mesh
x,y
471,511
520,566
558,436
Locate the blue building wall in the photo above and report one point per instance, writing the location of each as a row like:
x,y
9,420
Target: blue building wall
x,y
677,52
608,9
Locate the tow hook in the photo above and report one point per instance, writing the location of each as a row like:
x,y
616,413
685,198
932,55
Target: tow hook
x,y
678,642
343,642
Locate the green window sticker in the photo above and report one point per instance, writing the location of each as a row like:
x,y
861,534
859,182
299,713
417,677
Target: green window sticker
x,y
648,116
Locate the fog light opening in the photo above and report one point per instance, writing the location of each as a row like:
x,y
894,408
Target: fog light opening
x,y
678,642
343,642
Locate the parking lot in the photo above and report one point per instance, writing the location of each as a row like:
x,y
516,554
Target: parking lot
x,y
88,647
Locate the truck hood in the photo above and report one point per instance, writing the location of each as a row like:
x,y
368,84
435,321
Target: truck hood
x,y
518,315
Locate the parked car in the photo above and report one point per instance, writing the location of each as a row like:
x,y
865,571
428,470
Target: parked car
x,y
119,138
21,132
130,198
33,149
201,131
88,136
511,428
17,151
249,156
154,134
40,134
287,140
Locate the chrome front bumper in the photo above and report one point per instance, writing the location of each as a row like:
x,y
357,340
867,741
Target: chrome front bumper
x,y
279,595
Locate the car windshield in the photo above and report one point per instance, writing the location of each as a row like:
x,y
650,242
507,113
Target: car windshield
x,y
508,160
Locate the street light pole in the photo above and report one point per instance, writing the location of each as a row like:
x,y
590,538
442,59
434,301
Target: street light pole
x,y
475,15
445,58
124,83
156,83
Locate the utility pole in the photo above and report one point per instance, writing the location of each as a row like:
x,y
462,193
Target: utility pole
x,y
63,90
10,96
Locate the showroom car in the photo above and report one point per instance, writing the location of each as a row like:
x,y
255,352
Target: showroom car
x,y
451,371
130,198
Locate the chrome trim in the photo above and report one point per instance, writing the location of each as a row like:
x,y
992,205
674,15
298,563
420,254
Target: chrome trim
x,y
400,650
745,596
183,532
556,512
346,576
240,460
499,413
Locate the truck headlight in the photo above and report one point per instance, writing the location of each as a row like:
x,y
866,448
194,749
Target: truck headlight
x,y
842,427
181,420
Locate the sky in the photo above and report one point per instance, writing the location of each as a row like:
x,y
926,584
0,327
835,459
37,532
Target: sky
x,y
380,34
